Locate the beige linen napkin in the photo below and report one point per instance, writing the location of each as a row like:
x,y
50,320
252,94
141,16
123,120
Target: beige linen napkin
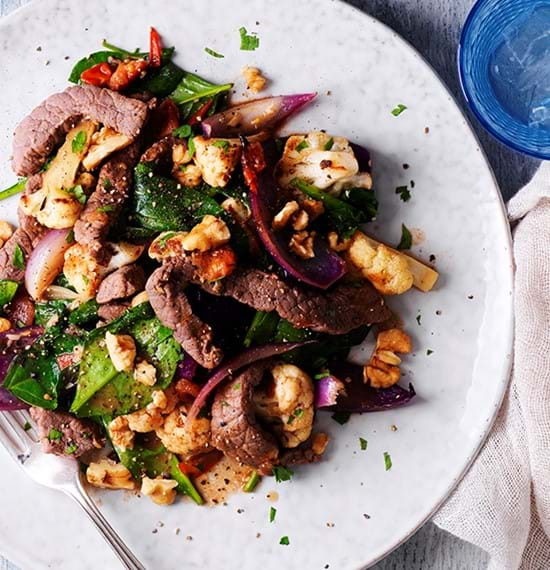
x,y
503,503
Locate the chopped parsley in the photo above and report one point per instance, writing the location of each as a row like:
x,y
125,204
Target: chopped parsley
x,y
252,482
300,147
322,374
55,435
106,209
213,53
107,184
70,236
78,192
79,142
387,461
249,42
18,260
27,426
404,193
223,144
406,238
191,147
363,443
429,351
295,414
418,319
341,417
329,144
398,110
183,132
272,514
282,473
237,386
70,449
284,541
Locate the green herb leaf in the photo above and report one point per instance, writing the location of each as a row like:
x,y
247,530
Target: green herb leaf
x,y
55,435
284,541
398,110
261,328
329,144
406,238
237,386
79,142
183,132
363,443
27,426
322,374
272,514
70,449
107,184
213,53
404,193
18,260
387,461
165,237
301,146
191,88
16,188
106,209
191,147
252,482
223,144
249,42
296,414
78,192
282,473
7,291
341,417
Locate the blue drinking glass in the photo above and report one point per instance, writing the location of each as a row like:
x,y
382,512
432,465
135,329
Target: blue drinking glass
x,y
504,65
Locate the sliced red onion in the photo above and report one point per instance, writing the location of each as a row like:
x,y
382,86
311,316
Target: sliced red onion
x,y
12,342
360,397
236,363
255,116
46,262
266,199
327,390
363,157
187,368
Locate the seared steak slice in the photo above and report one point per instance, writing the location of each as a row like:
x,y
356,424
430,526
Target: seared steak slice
x,y
300,455
160,154
168,299
104,206
339,310
42,131
111,311
235,430
122,283
63,434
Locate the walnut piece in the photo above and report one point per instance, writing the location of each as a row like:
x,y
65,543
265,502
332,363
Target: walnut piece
x,y
383,371
145,373
107,474
319,443
336,244
122,351
121,434
210,233
255,81
161,491
283,217
6,231
5,325
301,244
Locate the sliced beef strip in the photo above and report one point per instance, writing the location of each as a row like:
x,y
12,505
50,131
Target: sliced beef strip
x,y
111,311
120,284
71,436
105,204
339,310
170,303
300,455
42,131
235,429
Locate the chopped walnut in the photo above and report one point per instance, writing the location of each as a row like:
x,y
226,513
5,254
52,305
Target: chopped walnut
x,y
6,231
336,244
284,216
301,244
383,371
122,351
255,81
314,208
214,264
301,220
210,233
237,209
161,491
107,474
140,298
5,325
319,443
167,244
145,373
121,434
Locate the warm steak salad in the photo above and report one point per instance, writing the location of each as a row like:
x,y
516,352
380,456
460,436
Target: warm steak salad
x,y
184,287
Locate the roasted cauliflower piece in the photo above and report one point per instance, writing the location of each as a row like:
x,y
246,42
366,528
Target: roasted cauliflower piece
x,y
318,158
107,474
217,158
385,268
183,437
103,143
287,404
383,371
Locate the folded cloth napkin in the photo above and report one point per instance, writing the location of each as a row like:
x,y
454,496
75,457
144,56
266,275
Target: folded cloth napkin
x,y
503,504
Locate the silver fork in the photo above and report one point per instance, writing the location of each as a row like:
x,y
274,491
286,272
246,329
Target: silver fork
x,y
58,473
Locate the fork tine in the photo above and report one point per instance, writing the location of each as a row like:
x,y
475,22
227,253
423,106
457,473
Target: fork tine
x,y
10,439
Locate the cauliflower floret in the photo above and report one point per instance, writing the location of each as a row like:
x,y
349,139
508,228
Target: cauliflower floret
x,y
107,474
188,175
82,270
386,269
210,233
318,158
383,371
289,406
217,158
122,351
104,143
180,436
162,491
145,373
123,253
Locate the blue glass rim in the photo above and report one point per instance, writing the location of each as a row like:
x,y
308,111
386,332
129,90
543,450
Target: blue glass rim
x,y
509,142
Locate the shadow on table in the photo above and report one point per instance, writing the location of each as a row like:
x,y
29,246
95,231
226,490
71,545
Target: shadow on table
x,y
435,31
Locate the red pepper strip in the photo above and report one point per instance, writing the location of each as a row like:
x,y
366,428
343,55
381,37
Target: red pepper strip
x,y
97,75
155,49
189,469
200,113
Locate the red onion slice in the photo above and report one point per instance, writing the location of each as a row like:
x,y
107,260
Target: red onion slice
x,y
327,390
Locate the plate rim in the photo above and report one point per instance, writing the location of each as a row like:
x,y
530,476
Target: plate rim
x,y
14,557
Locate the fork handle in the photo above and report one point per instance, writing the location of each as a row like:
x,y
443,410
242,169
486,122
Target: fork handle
x,y
125,555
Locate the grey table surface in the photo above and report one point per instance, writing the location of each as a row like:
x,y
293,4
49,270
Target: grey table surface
x,y
433,28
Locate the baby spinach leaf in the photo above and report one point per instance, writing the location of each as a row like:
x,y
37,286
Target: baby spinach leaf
x,y
160,82
262,328
192,88
49,312
7,291
84,313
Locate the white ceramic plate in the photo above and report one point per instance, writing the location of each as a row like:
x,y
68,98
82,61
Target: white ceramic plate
x,y
361,70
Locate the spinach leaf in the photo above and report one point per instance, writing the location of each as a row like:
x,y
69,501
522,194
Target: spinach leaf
x,y
159,205
50,313
363,199
262,328
160,82
85,313
192,88
87,62
7,291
